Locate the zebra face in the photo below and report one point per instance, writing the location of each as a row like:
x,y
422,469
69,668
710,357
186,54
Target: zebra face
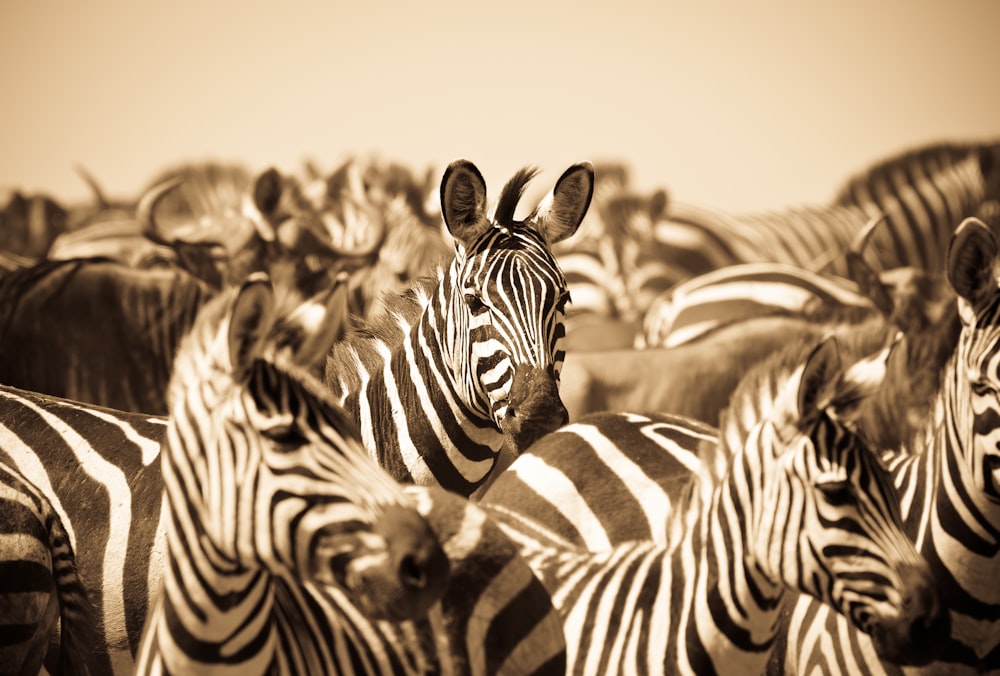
x,y
508,307
267,468
514,298
826,519
973,397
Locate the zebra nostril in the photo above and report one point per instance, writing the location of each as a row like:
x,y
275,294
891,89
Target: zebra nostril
x,y
411,573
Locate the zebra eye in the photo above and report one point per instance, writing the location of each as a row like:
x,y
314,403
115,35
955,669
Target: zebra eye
x,y
285,437
981,389
475,302
836,492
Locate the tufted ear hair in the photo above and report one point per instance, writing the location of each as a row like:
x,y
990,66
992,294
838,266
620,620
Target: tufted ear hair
x,y
972,265
561,211
463,201
249,322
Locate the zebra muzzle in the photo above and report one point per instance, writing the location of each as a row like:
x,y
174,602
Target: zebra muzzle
x,y
395,572
534,408
920,633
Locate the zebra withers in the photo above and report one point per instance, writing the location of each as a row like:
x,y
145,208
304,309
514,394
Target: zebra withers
x,y
785,499
266,486
468,361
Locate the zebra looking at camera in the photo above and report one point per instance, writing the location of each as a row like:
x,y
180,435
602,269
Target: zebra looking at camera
x,y
787,498
469,361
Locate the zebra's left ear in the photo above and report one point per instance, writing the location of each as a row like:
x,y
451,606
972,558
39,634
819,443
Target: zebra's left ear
x,y
561,211
249,321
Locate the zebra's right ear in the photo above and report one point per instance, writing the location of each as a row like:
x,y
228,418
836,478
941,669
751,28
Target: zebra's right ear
x,y
561,211
266,191
249,322
463,202
972,266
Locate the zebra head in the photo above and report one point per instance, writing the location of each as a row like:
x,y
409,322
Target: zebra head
x,y
973,388
824,517
508,296
264,472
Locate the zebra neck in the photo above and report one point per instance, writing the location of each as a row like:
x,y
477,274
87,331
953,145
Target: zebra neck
x,y
413,417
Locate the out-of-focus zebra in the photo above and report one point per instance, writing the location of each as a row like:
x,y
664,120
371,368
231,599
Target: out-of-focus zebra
x,y
948,479
924,192
469,360
40,587
784,498
102,470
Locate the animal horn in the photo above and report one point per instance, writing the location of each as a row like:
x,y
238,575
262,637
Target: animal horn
x,y
144,213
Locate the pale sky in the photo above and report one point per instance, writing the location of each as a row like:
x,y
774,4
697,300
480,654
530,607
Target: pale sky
x,y
739,105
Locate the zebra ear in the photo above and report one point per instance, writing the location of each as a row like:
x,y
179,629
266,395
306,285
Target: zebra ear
x,y
249,322
463,201
319,323
972,265
821,367
561,211
267,189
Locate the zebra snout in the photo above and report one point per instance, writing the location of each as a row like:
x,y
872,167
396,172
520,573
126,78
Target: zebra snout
x,y
919,634
534,407
416,571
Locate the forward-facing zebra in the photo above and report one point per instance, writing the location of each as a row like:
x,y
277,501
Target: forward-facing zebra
x,y
786,498
948,479
39,586
468,361
101,469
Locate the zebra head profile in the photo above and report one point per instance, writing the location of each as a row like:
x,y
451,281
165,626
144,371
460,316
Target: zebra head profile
x,y
823,515
504,318
265,484
975,384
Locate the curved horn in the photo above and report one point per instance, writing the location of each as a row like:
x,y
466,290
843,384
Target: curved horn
x,y
95,187
147,205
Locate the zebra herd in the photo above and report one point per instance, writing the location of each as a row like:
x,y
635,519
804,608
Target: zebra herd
x,y
348,423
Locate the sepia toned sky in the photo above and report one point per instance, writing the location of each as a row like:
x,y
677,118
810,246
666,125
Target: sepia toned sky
x,y
740,105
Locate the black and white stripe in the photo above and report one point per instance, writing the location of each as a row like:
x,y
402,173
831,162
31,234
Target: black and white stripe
x,y
470,360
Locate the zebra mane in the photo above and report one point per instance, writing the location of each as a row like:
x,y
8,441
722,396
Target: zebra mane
x,y
947,153
511,194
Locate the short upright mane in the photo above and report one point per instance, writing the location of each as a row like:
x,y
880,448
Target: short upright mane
x,y
511,195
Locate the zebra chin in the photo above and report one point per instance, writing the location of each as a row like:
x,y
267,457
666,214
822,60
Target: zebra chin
x,y
534,408
920,632
395,572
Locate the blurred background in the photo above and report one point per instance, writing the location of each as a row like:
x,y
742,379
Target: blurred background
x,y
741,106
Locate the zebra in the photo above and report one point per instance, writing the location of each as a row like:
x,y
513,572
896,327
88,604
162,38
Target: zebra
x,y
41,586
468,361
924,191
101,469
785,497
947,481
